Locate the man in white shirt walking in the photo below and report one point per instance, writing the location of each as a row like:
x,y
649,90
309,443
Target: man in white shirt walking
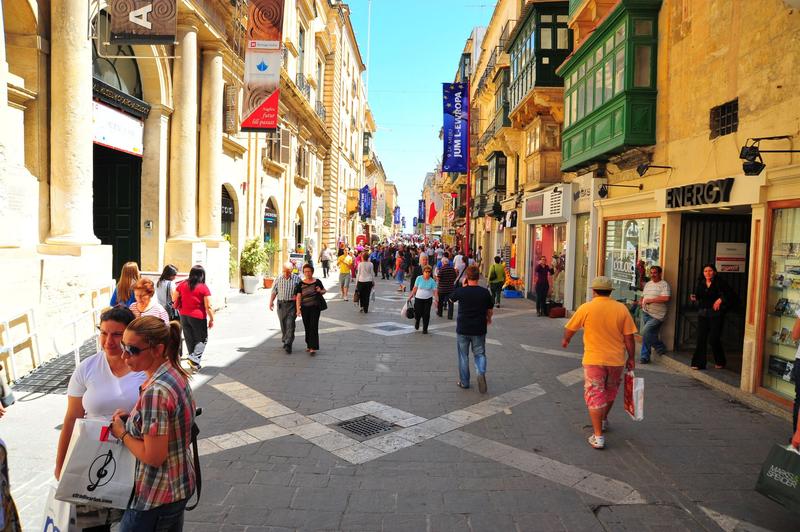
x,y
655,297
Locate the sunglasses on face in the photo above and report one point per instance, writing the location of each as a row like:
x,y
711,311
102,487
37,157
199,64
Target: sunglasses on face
x,y
132,350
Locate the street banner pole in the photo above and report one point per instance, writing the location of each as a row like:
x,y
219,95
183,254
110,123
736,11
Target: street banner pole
x,y
469,169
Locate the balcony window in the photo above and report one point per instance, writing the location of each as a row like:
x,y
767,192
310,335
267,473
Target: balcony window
x,y
497,171
609,89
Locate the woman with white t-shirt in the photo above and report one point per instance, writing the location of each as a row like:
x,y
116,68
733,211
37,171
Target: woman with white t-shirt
x,y
101,384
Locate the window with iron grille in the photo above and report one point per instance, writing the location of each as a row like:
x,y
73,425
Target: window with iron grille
x,y
724,119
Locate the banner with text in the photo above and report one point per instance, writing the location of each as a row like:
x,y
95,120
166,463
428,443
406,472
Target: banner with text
x,y
421,212
143,21
262,65
456,127
397,215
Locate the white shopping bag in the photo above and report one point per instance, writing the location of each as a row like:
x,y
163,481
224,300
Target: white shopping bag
x,y
403,310
634,396
96,472
59,516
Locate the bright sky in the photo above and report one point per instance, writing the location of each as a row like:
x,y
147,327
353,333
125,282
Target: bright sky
x,y
415,47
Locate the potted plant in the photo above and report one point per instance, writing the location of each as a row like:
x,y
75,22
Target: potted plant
x,y
271,249
251,264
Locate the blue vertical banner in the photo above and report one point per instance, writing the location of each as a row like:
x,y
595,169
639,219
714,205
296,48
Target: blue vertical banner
x,y
416,222
403,220
397,215
364,198
456,127
421,212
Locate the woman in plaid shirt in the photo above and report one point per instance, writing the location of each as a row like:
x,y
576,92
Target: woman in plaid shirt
x,y
158,431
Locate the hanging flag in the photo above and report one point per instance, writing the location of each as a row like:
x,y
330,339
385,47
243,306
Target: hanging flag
x,y
374,192
432,213
456,127
364,201
421,212
403,221
416,221
397,215
262,65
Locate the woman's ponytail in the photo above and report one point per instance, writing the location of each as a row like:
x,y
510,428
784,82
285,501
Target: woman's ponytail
x,y
173,347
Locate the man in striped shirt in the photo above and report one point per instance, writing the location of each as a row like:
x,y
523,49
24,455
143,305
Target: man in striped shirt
x,y
283,289
446,278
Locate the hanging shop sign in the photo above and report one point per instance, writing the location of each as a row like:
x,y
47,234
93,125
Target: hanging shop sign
x,y
262,65
549,205
731,257
456,127
117,130
699,194
270,216
143,21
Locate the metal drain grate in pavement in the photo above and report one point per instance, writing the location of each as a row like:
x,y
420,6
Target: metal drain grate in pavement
x,y
53,376
366,426
389,328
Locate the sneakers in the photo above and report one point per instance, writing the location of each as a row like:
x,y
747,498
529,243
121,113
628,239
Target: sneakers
x,y
482,383
597,442
194,361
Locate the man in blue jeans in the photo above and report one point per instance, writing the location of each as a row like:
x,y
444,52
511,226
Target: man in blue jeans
x,y
655,298
475,306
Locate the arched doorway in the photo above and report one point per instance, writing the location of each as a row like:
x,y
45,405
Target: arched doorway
x,y
118,136
271,221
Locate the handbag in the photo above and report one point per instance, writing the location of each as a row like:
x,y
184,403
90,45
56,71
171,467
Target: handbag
x,y
634,396
410,314
6,395
450,307
780,477
98,468
171,307
323,305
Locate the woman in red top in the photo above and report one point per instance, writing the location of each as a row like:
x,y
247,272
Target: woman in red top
x,y
193,301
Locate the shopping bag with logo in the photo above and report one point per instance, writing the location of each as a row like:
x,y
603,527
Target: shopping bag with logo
x,y
634,396
780,477
59,516
98,468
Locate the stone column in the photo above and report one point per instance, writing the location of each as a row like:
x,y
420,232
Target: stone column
x,y
183,138
210,197
71,164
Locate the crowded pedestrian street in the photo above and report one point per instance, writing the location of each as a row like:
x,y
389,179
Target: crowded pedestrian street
x,y
513,459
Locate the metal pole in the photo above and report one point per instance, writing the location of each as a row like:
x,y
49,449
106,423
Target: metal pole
x,y
469,168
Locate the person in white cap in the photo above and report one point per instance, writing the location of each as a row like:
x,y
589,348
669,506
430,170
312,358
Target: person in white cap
x,y
607,337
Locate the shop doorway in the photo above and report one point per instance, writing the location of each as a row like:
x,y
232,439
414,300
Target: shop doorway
x,y
700,234
117,194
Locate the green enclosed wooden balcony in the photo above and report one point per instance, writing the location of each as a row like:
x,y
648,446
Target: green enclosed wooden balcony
x,y
610,87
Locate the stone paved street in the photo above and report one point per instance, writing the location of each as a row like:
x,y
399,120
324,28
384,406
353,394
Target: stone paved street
x,y
513,459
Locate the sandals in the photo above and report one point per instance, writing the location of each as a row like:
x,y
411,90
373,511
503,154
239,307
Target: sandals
x,y
597,442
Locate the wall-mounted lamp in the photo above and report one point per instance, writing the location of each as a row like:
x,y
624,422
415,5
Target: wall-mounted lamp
x,y
603,190
751,154
643,168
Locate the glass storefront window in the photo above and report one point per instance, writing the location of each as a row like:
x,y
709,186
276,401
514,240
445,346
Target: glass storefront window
x,y
783,302
632,246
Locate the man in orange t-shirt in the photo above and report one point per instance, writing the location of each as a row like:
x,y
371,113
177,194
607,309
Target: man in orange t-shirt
x,y
608,335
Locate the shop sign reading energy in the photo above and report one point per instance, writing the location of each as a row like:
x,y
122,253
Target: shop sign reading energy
x,y
698,194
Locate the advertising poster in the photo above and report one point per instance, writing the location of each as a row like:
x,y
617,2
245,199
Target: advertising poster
x,y
262,71
731,257
143,21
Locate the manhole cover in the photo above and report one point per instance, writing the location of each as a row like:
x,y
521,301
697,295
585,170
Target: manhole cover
x,y
53,376
366,426
389,328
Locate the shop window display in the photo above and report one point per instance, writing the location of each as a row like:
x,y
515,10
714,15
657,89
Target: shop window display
x,y
632,246
783,302
550,241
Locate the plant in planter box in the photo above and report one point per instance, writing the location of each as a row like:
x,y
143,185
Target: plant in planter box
x,y
251,264
271,250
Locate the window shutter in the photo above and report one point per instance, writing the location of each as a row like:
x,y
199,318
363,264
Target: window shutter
x,y
305,162
286,146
